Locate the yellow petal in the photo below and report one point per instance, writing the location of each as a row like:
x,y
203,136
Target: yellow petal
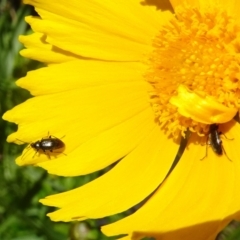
x,y
153,157
206,109
97,37
128,15
119,103
80,74
199,196
104,148
40,50
89,43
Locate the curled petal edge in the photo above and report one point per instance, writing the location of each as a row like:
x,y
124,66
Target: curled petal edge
x,y
201,108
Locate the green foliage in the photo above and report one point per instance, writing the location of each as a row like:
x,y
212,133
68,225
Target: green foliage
x,y
231,232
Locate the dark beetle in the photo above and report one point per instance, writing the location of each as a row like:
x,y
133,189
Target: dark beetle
x,y
48,144
215,139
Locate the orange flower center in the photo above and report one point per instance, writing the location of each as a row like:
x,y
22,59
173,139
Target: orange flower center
x,y
198,50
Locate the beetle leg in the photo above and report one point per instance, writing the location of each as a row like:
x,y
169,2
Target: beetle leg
x,y
35,153
207,144
226,154
227,137
61,153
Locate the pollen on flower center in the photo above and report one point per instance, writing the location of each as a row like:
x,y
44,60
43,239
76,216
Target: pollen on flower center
x,y
199,50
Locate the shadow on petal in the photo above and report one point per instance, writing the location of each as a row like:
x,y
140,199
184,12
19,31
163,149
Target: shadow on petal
x,y
162,5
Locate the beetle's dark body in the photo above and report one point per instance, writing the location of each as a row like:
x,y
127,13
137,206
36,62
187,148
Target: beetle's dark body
x,y
47,144
215,139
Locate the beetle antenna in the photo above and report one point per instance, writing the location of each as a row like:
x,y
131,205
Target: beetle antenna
x,y
57,137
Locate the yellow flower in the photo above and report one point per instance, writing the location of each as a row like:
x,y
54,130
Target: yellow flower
x,y
126,80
